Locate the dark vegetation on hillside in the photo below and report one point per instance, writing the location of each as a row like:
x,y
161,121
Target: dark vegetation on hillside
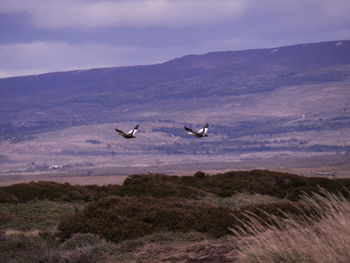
x,y
271,183
282,185
53,191
147,204
122,218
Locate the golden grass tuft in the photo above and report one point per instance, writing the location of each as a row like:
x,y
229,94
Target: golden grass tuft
x,y
324,239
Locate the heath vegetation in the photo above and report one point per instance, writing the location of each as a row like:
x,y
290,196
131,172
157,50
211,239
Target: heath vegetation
x,y
238,216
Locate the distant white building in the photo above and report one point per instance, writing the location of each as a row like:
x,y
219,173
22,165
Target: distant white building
x,y
56,166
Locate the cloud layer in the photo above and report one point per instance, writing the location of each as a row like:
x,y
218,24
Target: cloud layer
x,y
171,13
133,13
38,36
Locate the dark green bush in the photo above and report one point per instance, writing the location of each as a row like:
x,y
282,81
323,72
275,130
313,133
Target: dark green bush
x,y
281,185
199,174
48,190
6,197
123,218
80,240
159,186
21,248
25,192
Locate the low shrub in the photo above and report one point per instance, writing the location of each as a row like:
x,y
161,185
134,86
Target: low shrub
x,y
5,217
239,200
123,218
80,240
159,186
199,174
128,246
104,190
21,248
35,215
280,185
79,255
198,186
6,197
48,190
53,191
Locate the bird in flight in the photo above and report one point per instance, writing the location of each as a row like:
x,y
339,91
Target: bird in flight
x,y
130,134
201,132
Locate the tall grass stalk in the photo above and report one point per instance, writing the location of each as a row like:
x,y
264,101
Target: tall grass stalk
x,y
320,237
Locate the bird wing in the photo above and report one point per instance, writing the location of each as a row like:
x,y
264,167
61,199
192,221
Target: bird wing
x,y
204,129
120,132
133,131
190,131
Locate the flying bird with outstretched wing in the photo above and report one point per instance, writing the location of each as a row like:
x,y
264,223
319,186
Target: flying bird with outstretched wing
x,y
130,134
202,132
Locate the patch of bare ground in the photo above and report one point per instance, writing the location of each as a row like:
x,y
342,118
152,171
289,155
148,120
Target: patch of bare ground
x,y
32,233
175,247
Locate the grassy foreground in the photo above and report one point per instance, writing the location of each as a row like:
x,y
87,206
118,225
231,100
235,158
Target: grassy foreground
x,y
256,216
326,240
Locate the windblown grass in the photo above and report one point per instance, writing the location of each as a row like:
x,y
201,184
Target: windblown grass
x,y
306,239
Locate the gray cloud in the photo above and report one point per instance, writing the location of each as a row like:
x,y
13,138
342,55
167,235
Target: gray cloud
x,y
175,13
135,13
80,34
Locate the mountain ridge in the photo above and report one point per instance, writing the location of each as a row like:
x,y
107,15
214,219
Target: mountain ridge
x,y
178,58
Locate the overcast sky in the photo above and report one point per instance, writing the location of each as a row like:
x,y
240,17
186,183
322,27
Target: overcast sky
x,y
38,36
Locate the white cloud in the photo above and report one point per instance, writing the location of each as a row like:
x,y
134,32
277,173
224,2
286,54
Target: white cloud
x,y
138,13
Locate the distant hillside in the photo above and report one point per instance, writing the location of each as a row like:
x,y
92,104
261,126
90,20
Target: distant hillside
x,y
293,98
76,94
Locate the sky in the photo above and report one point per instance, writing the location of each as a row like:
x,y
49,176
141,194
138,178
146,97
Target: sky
x,y
38,36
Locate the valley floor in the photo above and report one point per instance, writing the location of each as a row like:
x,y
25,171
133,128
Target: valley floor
x,y
184,165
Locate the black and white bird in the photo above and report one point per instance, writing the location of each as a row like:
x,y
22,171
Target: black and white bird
x,y
201,132
130,134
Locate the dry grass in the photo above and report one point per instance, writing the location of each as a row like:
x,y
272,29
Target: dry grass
x,y
302,240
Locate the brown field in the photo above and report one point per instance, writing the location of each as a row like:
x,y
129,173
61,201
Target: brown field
x,y
115,175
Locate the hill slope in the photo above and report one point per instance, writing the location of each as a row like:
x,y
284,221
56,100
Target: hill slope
x,y
286,99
